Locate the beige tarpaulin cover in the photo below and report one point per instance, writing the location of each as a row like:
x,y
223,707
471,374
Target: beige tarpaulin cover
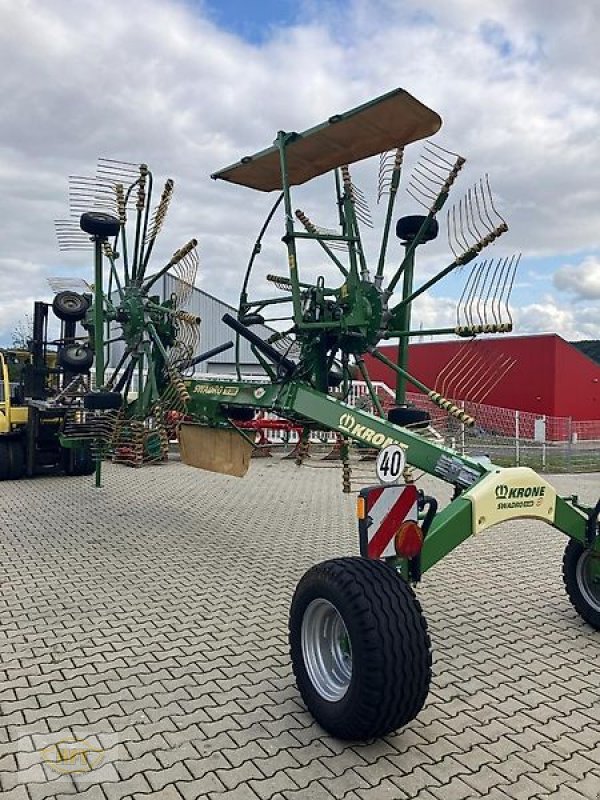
x,y
216,450
390,121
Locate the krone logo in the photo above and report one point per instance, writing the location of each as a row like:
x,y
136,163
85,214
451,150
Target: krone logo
x,y
346,422
71,756
501,491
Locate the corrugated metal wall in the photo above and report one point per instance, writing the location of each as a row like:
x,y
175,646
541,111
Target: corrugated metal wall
x,y
213,330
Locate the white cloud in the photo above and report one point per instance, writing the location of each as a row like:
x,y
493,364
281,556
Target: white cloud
x,y
551,315
582,280
159,82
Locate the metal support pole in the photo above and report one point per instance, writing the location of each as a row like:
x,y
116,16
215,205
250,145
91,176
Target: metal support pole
x,y
544,444
98,333
281,143
404,324
517,436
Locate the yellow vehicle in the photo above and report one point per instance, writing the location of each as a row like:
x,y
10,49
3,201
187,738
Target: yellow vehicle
x,y
13,420
35,401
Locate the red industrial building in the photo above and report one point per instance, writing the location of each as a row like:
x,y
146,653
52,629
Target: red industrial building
x,y
542,374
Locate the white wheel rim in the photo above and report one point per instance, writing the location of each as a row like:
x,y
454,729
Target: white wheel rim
x,y
587,575
326,650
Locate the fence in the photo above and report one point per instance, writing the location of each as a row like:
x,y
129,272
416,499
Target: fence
x,y
520,438
507,436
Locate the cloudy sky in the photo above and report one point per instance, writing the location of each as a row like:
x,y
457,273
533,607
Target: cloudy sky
x,y
191,86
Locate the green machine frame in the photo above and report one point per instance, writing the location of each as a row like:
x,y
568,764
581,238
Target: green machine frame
x,y
339,324
359,644
475,483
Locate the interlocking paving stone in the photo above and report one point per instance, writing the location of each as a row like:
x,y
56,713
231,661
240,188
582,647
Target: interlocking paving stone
x,y
153,614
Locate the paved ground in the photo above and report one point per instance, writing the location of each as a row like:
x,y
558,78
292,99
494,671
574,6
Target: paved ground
x,y
149,618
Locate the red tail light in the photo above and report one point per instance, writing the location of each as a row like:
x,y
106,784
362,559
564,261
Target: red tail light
x,y
408,540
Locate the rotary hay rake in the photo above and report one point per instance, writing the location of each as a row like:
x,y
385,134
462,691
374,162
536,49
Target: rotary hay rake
x,y
155,338
358,638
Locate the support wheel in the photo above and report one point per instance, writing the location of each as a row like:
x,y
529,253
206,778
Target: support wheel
x,y
70,306
581,574
409,417
75,357
359,647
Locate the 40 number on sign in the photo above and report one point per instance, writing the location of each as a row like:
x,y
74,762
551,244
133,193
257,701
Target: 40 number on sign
x,y
390,463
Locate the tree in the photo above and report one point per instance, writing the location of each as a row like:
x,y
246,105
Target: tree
x,y
22,333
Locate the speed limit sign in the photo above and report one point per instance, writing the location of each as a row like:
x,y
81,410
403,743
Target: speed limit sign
x,y
390,463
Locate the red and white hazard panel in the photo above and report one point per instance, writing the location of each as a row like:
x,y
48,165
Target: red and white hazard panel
x,y
388,522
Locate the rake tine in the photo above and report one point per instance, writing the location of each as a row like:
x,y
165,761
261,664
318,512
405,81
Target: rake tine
x,y
503,370
480,299
433,175
419,186
499,290
462,355
465,380
511,281
485,207
470,302
434,167
449,230
454,380
357,197
437,149
485,222
485,374
469,220
461,223
492,292
477,270
426,179
70,236
491,198
470,193
463,297
503,269
390,163
416,198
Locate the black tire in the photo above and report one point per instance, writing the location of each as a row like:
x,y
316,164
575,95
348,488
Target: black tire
x,y
12,460
80,461
103,401
408,227
76,358
335,378
385,632
70,306
240,413
97,223
409,417
581,575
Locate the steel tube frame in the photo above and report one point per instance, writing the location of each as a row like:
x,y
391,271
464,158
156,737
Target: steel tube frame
x,y
300,403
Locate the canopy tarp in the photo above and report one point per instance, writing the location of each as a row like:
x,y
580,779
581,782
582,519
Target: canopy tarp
x,y
392,120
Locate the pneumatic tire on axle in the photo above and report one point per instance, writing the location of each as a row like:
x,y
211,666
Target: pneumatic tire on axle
x,y
581,574
359,647
12,459
70,306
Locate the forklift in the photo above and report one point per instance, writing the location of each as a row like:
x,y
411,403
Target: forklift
x,y
42,392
